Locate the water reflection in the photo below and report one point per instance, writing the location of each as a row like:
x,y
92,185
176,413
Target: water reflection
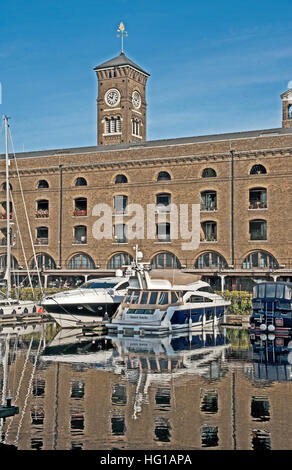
x,y
213,390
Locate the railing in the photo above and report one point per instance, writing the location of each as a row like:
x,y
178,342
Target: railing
x,y
257,205
42,213
42,241
79,212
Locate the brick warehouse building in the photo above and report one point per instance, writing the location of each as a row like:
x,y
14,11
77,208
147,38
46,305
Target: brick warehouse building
x,y
242,182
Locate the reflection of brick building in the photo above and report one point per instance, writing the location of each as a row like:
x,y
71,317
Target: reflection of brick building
x,y
77,406
242,182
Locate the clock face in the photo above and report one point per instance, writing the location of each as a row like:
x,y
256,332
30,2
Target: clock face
x,y
136,99
112,97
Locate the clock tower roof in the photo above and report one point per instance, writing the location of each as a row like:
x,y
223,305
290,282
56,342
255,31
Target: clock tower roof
x,y
120,61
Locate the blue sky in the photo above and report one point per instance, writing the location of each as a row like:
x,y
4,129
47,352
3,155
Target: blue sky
x,y
216,66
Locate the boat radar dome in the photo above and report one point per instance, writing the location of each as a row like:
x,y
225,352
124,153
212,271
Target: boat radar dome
x,y
139,255
119,273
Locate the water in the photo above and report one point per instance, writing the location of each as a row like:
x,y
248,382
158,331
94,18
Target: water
x,y
221,390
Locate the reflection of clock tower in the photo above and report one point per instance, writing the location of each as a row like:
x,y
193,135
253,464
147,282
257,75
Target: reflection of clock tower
x,y
121,101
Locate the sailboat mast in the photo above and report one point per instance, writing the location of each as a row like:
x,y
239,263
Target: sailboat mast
x,y
8,264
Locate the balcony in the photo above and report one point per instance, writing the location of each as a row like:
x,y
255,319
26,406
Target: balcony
x,y
42,213
79,213
42,241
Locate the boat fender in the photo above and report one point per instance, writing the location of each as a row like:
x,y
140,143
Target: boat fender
x,y
14,312
271,328
41,310
25,310
263,327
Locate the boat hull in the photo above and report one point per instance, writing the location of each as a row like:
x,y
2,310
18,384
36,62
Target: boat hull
x,y
159,328
22,307
73,315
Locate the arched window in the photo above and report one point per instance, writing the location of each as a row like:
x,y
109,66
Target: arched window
x,y
135,126
113,125
81,261
163,232
258,229
80,206
3,209
290,111
42,208
121,179
209,173
119,260
210,259
165,260
43,184
163,176
80,234
3,186
258,198
121,204
44,261
260,259
80,181
208,201
121,233
258,170
209,231
163,201
3,262
42,236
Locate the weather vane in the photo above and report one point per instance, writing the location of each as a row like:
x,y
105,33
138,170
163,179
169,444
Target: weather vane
x,y
122,33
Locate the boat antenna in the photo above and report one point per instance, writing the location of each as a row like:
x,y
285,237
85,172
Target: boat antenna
x,y
8,263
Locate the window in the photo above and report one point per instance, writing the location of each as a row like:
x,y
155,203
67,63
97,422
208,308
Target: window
x,y
209,435
165,260
258,230
80,234
119,394
3,186
208,201
259,259
209,233
42,209
44,261
258,170
290,111
42,235
209,403
80,181
80,207
209,173
3,262
113,125
82,261
120,233
121,204
163,176
135,127
258,198
162,429
119,260
163,232
43,184
163,201
121,179
211,259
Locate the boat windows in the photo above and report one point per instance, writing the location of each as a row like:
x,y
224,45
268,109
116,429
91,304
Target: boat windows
x,y
270,290
98,285
135,299
261,291
287,293
174,297
206,289
144,297
123,286
146,311
163,299
153,298
128,297
280,291
255,292
198,299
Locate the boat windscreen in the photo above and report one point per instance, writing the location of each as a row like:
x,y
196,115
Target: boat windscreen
x,y
98,285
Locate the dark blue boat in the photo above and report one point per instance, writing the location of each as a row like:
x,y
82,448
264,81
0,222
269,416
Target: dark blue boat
x,y
272,308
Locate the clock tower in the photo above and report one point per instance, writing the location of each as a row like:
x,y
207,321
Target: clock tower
x,y
121,101
287,107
